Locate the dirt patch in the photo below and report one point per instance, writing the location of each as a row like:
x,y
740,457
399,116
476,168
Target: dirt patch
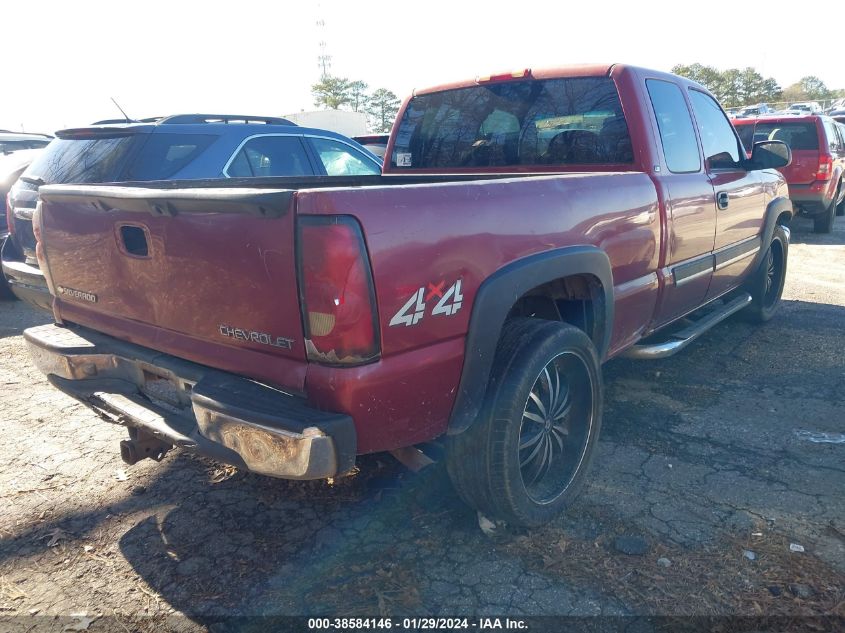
x,y
748,575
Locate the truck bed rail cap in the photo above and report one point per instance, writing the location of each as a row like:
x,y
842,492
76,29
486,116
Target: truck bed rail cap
x,y
267,203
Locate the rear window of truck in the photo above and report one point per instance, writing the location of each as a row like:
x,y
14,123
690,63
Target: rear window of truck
x,y
799,135
573,121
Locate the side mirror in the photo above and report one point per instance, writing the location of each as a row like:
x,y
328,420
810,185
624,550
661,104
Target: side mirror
x,y
770,155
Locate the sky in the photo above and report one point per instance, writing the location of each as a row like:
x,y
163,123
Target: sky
x,y
155,57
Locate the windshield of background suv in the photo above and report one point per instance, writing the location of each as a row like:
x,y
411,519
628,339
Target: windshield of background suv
x,y
799,135
576,121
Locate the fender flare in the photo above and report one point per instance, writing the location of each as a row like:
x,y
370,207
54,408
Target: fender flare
x,y
494,300
777,207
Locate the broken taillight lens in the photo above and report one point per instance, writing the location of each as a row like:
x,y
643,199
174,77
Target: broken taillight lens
x,y
336,291
825,170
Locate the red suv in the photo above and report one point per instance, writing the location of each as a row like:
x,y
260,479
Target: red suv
x,y
815,176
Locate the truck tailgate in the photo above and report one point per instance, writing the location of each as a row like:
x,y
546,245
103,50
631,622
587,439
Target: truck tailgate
x,y
206,274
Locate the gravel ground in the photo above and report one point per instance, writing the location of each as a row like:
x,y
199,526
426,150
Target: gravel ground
x,y
711,466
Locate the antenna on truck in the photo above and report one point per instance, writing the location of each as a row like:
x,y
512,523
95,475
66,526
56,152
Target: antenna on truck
x,y
117,105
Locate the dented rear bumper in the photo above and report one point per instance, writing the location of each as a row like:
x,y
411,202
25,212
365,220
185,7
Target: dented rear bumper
x,y
226,417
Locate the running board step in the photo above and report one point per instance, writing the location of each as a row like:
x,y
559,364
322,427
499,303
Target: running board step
x,y
679,340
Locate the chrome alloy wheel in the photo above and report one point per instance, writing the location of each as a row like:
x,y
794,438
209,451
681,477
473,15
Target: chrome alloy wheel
x,y
557,420
774,274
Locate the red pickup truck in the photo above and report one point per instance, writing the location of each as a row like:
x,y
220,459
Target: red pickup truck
x,y
526,228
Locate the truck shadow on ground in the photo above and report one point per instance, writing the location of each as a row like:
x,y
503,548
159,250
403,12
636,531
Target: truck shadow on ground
x,y
253,546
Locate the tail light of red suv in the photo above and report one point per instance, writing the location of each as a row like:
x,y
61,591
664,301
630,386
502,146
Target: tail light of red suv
x,y
825,170
336,291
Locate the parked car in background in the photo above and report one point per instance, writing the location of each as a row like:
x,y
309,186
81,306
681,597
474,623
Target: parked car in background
x,y
838,104
376,143
528,227
804,107
838,116
815,176
14,141
760,109
12,166
184,147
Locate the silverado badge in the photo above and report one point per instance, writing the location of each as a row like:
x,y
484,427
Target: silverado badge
x,y
73,293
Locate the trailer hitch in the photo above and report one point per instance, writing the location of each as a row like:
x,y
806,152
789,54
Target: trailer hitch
x,y
142,445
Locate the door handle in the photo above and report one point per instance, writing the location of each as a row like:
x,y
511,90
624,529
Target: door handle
x,y
722,199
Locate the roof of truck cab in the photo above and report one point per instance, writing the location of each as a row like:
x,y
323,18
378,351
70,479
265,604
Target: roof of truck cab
x,y
557,72
580,70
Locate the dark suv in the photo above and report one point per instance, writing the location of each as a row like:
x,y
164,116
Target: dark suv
x,y
816,176
181,147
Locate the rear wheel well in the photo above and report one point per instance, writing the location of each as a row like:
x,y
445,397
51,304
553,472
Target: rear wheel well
x,y
576,299
784,218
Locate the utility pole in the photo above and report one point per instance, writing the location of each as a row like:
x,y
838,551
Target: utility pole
x,y
324,60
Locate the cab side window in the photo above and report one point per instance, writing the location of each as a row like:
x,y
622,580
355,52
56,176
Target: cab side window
x,y
721,147
674,122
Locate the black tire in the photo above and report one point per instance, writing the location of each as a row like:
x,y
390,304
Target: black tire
x,y
840,208
766,284
491,464
5,292
823,223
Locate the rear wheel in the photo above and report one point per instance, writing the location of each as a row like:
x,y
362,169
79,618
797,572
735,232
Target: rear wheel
x,y
766,285
840,208
5,291
525,458
823,223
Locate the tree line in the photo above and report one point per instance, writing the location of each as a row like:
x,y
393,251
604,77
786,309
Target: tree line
x,y
732,87
736,87
336,93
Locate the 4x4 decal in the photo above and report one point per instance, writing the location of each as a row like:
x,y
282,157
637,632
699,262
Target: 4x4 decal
x,y
449,302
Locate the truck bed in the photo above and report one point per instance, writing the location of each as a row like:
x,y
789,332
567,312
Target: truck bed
x,y
218,284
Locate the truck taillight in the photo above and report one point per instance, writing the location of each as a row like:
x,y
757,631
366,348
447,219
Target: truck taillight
x,y
9,219
825,170
336,291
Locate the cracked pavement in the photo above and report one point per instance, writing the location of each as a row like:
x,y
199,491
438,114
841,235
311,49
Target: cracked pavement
x,y
702,456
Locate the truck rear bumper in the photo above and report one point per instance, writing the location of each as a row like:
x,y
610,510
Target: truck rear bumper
x,y
812,199
214,413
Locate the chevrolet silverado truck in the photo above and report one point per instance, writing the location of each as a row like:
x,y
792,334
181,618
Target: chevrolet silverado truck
x,y
526,228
